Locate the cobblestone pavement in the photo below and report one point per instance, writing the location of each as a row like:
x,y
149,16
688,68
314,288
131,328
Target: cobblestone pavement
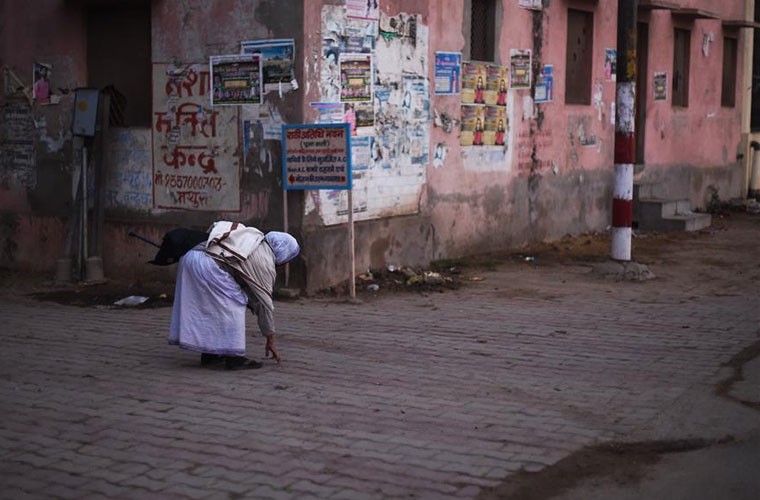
x,y
404,396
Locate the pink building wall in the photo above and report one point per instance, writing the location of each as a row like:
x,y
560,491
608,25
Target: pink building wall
x,y
553,178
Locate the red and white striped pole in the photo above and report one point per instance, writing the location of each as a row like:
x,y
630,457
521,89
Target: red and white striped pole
x,y
625,139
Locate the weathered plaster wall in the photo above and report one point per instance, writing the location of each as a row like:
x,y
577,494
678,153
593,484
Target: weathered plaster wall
x,y
36,157
36,176
553,176
705,135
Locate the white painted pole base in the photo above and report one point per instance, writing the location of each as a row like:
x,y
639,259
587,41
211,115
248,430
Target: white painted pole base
x,y
621,243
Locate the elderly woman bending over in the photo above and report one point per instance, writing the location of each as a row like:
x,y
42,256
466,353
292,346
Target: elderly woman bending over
x,y
216,280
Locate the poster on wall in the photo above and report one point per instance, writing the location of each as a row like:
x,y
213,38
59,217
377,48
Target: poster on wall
x,y
316,156
415,113
42,73
544,91
277,63
363,9
496,85
235,79
355,77
448,73
474,76
495,128
472,125
660,86
610,65
531,4
519,68
195,161
328,112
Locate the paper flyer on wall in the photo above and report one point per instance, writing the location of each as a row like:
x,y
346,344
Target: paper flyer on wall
x,y
610,64
448,71
544,91
355,77
474,76
235,79
495,133
496,85
472,125
519,68
277,62
363,9
660,86
328,112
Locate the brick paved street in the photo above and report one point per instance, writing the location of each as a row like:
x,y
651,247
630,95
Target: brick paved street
x,y
403,396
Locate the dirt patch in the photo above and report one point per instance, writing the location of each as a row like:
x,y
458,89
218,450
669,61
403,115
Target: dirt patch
x,y
624,463
156,294
723,388
441,276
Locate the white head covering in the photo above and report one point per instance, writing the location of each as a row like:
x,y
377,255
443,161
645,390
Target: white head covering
x,y
285,247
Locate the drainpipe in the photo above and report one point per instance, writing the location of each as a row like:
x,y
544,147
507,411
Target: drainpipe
x,y
625,139
754,180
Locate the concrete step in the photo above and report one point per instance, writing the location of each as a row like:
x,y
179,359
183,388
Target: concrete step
x,y
655,214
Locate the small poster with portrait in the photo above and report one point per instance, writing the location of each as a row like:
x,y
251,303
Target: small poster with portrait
x,y
472,127
496,86
474,77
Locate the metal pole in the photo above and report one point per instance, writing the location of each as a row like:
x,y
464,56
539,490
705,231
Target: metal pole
x,y
352,251
285,228
625,139
84,203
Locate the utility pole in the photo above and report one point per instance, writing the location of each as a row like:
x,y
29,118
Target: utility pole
x,y
625,139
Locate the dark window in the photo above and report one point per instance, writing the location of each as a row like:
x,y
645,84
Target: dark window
x,y
681,59
755,114
483,30
119,59
728,87
580,46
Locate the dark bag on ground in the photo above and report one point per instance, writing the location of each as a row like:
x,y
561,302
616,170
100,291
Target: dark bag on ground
x,y
177,243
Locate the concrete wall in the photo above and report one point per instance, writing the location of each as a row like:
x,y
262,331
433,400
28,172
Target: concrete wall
x,y
37,173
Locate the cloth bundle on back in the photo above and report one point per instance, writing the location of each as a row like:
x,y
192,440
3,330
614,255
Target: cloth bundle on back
x,y
177,243
235,267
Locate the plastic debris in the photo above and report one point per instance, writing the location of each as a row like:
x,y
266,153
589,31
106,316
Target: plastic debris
x,y
374,287
132,300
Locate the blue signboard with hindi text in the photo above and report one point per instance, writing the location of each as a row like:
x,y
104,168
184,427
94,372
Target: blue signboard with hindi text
x,y
316,156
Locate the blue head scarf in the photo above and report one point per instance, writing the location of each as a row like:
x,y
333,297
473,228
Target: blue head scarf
x,y
285,247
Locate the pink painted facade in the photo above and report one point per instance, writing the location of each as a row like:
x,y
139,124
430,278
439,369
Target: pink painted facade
x,y
419,193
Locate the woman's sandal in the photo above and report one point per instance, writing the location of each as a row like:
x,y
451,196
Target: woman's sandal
x,y
211,359
241,363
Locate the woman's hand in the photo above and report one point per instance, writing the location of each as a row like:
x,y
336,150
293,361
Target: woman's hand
x,y
270,349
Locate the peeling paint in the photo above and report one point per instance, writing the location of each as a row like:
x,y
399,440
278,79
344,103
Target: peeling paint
x,y
399,153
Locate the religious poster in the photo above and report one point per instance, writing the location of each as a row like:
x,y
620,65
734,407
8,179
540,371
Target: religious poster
x,y
519,68
277,63
472,125
42,73
495,128
496,85
355,77
610,64
195,165
448,72
660,86
474,77
235,79
544,91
